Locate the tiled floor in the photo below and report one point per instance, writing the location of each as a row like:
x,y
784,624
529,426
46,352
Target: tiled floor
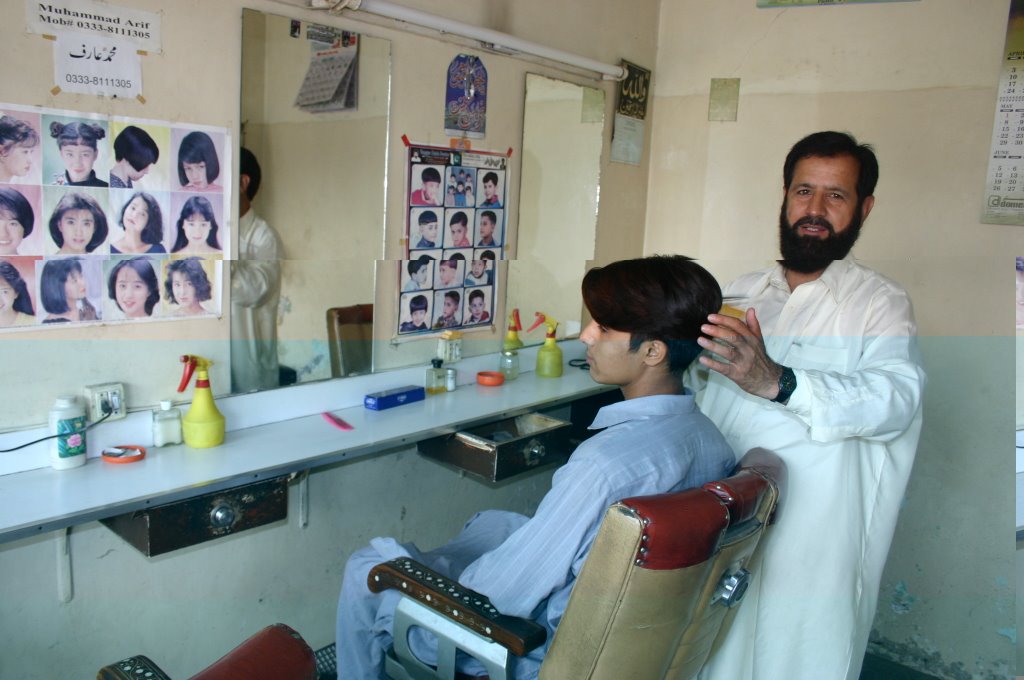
x,y
877,668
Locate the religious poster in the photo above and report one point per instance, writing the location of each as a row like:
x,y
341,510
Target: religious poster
x,y
630,112
465,110
455,232
110,220
1004,183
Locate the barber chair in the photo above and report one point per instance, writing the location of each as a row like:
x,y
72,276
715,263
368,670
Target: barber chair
x,y
275,653
350,337
659,587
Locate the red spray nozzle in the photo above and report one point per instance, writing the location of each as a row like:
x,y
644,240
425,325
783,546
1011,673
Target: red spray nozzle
x,y
516,324
540,319
188,369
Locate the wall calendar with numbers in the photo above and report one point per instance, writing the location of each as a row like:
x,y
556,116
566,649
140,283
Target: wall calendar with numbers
x,y
1004,184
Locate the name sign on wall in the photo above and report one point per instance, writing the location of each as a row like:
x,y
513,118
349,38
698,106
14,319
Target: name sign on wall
x,y
100,20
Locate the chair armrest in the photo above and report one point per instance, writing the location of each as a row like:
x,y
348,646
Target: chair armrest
x,y
458,603
275,653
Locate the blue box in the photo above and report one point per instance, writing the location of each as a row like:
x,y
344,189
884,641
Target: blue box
x,y
378,401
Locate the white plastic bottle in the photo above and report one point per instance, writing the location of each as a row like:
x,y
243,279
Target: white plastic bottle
x,y
166,425
67,419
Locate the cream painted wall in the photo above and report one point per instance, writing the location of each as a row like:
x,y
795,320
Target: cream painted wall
x,y
918,81
186,608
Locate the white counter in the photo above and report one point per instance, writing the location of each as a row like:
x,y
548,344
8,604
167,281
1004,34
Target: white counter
x,y
41,500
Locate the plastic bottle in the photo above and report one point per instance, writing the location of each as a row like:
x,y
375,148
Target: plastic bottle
x,y
512,340
435,379
451,379
549,356
67,419
203,425
166,425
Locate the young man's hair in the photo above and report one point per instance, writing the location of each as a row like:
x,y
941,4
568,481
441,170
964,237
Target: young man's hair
x,y
414,266
79,202
197,147
454,296
248,165
418,303
830,144
489,214
136,146
663,297
427,217
430,175
491,177
459,218
13,202
476,293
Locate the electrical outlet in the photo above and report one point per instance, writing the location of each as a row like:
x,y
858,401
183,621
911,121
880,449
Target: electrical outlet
x,y
101,399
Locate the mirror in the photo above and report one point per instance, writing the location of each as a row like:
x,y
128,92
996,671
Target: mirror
x,y
324,178
563,134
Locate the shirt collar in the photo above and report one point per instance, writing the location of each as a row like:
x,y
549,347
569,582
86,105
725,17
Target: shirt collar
x,y
643,407
832,278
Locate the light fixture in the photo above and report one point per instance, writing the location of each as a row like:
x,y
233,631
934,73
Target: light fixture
x,y
492,40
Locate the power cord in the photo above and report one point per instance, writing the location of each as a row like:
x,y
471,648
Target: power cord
x,y
107,410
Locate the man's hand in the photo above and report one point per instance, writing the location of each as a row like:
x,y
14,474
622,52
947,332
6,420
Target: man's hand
x,y
740,354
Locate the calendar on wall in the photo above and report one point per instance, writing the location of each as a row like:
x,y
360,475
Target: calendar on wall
x,y
1004,183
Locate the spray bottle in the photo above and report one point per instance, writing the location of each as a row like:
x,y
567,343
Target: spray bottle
x,y
549,356
203,425
512,341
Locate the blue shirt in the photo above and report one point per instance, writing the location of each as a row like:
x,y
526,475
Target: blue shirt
x,y
647,445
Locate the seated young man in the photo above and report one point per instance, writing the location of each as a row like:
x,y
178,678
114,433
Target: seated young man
x,y
647,315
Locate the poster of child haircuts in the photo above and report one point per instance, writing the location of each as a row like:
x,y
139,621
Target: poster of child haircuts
x,y
455,233
110,220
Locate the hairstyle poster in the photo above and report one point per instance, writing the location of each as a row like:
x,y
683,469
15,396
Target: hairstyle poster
x,y
455,233
110,220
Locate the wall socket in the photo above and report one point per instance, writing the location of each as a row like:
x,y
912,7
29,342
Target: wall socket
x,y
109,394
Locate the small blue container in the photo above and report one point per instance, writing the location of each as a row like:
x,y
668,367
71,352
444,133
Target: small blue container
x,y
378,401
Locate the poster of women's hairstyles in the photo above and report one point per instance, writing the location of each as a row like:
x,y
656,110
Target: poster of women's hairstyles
x,y
455,230
95,208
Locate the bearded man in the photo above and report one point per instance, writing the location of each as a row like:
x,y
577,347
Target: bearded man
x,y
822,369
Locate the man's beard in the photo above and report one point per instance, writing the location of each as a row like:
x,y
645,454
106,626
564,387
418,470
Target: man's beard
x,y
809,254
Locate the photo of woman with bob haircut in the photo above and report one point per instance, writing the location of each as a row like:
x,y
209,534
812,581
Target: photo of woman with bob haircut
x,y
135,152
143,224
16,220
186,287
79,150
15,302
198,165
78,225
196,228
18,142
133,286
63,291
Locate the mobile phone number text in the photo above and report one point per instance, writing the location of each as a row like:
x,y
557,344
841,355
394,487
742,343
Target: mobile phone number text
x,y
115,30
98,81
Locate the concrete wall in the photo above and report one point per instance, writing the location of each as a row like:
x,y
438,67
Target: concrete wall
x,y
918,81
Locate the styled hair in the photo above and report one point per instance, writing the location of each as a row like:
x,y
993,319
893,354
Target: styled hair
x,y
418,303
87,134
15,132
489,214
476,293
134,145
193,270
830,144
12,201
454,296
487,255
79,202
197,147
196,205
459,218
248,165
427,216
10,274
455,257
491,177
153,232
663,297
430,174
144,268
422,261
51,284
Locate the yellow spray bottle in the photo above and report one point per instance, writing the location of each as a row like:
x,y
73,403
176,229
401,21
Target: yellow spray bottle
x,y
549,356
512,341
203,425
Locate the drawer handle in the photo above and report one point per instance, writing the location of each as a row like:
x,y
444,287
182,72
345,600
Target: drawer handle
x,y
222,516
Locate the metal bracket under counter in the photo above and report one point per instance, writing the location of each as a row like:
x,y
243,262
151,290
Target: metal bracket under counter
x,y
39,501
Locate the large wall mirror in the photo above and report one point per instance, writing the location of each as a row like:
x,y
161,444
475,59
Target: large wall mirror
x,y
563,128
324,179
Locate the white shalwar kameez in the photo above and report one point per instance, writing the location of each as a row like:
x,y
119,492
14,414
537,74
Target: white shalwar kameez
x,y
848,436
255,293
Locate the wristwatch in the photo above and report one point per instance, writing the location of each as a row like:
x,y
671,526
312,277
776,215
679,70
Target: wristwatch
x,y
787,383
